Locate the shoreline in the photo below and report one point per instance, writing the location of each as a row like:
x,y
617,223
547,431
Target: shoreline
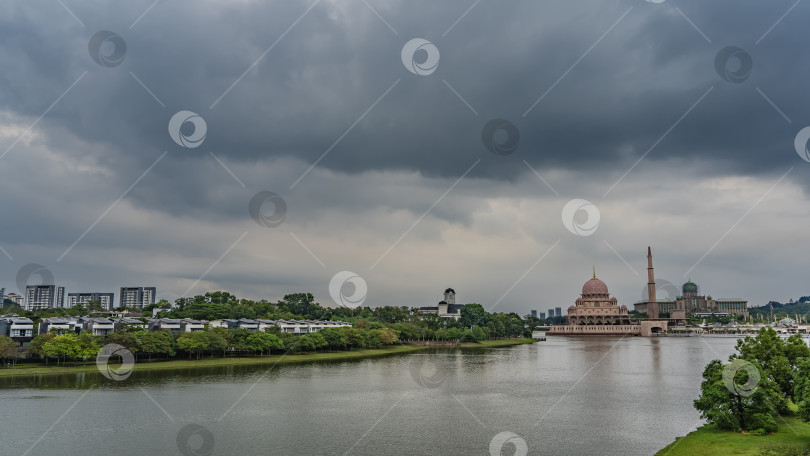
x,y
708,440
174,364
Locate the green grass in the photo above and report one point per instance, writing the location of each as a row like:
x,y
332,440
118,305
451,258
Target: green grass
x,y
710,441
41,369
52,368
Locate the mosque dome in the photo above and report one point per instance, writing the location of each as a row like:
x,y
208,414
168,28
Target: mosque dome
x,y
690,287
572,308
594,287
450,290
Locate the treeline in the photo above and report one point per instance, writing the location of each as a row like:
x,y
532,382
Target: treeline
x,y
406,321
149,345
764,376
780,310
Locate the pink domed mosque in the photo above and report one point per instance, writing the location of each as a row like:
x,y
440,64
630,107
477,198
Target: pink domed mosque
x,y
596,307
596,313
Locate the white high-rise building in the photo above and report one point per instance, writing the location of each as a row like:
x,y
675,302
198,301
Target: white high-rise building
x,y
44,297
138,297
105,299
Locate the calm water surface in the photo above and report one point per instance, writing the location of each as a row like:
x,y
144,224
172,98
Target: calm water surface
x,y
606,396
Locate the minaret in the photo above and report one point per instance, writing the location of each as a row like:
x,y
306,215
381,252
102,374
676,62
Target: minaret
x,y
652,302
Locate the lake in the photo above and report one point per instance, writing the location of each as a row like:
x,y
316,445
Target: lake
x,y
567,395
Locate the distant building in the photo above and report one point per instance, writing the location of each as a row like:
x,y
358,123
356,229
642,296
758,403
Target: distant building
x,y
550,313
693,303
60,325
105,299
44,297
19,329
447,308
97,326
542,315
558,311
15,298
2,295
534,313
138,297
595,312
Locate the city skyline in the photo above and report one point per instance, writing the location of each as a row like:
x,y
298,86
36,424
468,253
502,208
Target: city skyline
x,y
157,167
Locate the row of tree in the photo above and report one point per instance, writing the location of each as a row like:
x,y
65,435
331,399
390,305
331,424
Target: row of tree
x,y
751,392
145,344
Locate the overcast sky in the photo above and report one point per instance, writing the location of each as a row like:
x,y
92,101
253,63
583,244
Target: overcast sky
x,y
417,165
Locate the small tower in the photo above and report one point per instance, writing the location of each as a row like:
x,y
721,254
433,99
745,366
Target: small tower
x,y
652,302
450,296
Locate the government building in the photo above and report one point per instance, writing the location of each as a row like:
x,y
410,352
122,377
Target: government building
x,y
446,308
693,303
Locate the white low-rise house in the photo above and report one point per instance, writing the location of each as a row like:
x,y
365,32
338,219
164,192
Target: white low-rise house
x,y
125,322
304,327
317,325
266,325
97,326
61,325
19,329
244,323
189,325
218,324
164,324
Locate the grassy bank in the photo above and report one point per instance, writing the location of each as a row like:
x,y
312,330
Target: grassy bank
x,y
710,441
42,369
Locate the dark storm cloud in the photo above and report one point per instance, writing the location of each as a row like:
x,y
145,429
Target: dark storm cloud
x,y
296,102
340,58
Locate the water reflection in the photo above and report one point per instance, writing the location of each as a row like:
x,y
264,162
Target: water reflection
x,y
633,395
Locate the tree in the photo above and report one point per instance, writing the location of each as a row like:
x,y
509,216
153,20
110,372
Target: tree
x,y
193,342
62,347
8,349
156,343
473,315
738,408
35,346
777,358
335,338
802,388
126,339
478,334
315,341
354,338
263,342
